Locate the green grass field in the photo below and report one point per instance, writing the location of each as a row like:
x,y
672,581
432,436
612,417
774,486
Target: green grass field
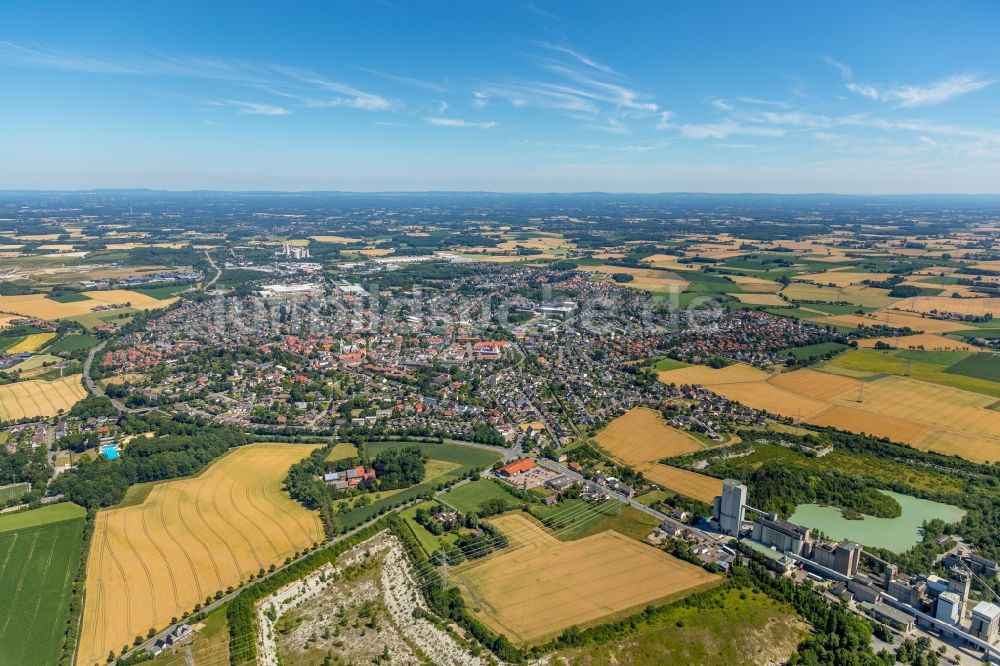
x,y
819,349
466,456
575,519
987,333
39,558
73,342
732,626
468,497
8,341
12,492
68,297
665,364
983,365
95,319
163,293
925,366
428,542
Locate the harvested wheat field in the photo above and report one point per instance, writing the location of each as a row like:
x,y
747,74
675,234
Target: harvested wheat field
x,y
702,374
775,399
132,298
754,285
189,538
854,294
813,384
844,278
37,305
668,261
36,397
924,415
541,585
965,306
344,240
641,435
926,341
649,279
898,320
375,251
690,484
31,343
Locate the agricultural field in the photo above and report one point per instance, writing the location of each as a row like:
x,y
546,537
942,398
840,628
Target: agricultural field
x,y
574,519
31,343
683,482
854,294
187,539
539,585
759,299
648,279
927,341
468,497
704,375
665,364
957,369
736,627
36,397
641,435
925,415
42,307
965,306
39,559
839,278
13,491
73,342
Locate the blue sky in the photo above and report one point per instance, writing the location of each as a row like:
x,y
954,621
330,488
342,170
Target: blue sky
x,y
888,97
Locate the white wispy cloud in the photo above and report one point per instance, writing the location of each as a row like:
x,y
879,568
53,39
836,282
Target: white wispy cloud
x,y
258,109
302,85
937,92
577,85
665,120
579,57
845,72
909,96
480,99
407,80
459,122
721,130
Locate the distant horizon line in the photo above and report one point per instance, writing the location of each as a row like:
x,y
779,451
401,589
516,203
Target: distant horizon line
x,y
4,191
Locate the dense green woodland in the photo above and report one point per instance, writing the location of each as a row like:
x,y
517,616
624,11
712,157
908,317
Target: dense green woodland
x,y
182,448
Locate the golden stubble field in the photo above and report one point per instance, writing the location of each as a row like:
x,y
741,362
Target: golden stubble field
x,y
38,306
540,585
36,397
649,279
690,484
641,435
189,538
965,306
922,414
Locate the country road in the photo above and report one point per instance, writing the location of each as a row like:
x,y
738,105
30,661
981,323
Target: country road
x,y
89,382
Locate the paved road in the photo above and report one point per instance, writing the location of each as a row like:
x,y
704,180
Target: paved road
x,y
218,272
89,382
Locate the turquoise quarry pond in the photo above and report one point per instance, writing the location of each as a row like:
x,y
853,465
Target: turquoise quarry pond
x,y
896,534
